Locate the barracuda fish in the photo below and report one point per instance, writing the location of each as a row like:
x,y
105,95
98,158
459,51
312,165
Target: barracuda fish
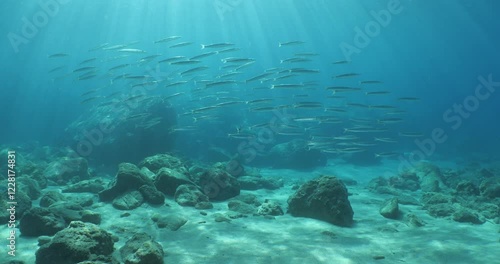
x,y
148,58
132,50
230,74
385,140
351,150
84,69
240,136
220,83
365,130
87,61
311,106
370,82
290,43
244,65
260,76
339,89
286,86
203,55
285,77
58,55
398,112
88,92
185,62
173,95
172,59
341,62
358,105
347,75
228,103
134,97
167,39
183,129
121,66
390,120
236,60
86,77
216,45
176,83
386,154
259,101
193,70
335,109
302,70
377,93
410,134
263,109
115,47
383,107
182,44
307,54
305,119
102,46
348,137
408,99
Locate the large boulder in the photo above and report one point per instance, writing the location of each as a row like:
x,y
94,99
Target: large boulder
x,y
65,169
41,222
431,178
141,249
156,162
123,131
77,243
189,195
218,184
324,198
167,180
90,186
294,154
128,178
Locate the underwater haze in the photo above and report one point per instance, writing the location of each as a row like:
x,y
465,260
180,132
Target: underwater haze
x,y
135,110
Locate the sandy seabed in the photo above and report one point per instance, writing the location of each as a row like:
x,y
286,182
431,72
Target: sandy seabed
x,y
287,239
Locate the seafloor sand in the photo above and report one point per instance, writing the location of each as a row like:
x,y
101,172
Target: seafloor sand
x,y
287,239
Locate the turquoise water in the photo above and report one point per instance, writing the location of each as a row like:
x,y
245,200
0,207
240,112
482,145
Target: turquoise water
x,y
434,51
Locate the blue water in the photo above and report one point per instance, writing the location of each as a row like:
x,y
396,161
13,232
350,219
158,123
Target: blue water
x,y
434,50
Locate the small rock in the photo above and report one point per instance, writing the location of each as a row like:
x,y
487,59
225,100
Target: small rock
x,y
241,207
171,221
270,208
390,208
128,201
413,221
152,195
190,195
221,218
467,216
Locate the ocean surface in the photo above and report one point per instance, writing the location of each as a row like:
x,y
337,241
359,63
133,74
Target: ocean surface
x,y
363,88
